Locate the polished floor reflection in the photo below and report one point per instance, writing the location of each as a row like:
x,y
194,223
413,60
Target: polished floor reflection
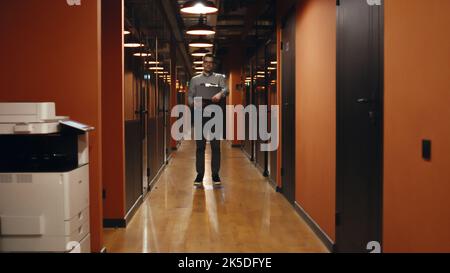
x,y
246,215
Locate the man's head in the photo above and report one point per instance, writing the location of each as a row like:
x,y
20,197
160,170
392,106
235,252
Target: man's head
x,y
208,63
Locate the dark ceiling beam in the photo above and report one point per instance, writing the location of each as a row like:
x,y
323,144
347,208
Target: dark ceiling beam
x,y
254,10
233,27
172,13
226,17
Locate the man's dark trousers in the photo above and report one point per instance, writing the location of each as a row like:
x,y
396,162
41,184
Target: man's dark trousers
x,y
215,151
215,160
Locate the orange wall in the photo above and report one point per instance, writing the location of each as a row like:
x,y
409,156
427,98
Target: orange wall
x,y
51,52
130,95
417,106
113,109
316,111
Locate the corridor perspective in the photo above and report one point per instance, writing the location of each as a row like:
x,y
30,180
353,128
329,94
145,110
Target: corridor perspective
x,y
246,215
330,126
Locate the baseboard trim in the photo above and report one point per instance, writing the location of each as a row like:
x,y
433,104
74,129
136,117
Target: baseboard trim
x,y
279,189
315,227
122,223
259,168
152,183
133,209
114,223
273,184
247,154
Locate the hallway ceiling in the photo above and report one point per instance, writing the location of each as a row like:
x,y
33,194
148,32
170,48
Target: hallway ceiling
x,y
247,22
238,22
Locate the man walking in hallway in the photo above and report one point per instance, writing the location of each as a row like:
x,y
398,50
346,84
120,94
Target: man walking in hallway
x,y
207,79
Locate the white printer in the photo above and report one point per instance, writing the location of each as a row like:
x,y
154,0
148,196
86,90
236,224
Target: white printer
x,y
44,180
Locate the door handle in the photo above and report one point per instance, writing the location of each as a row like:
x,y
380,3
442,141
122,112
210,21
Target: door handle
x,y
363,100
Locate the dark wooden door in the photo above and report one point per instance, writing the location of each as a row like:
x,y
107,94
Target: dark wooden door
x,y
161,125
359,124
248,143
134,174
288,108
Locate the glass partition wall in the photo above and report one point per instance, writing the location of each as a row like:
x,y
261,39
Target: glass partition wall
x,y
272,74
247,144
261,99
147,88
260,74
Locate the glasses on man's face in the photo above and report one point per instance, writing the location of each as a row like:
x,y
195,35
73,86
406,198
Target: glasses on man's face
x,y
207,62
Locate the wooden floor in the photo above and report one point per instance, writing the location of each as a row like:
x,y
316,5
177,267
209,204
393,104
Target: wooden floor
x,y
246,215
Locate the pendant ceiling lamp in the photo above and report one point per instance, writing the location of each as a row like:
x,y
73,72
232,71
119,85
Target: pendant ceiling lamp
x,y
201,28
131,42
200,52
200,42
133,45
199,7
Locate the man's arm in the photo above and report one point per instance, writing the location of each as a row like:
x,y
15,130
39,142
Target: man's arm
x,y
224,85
191,93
